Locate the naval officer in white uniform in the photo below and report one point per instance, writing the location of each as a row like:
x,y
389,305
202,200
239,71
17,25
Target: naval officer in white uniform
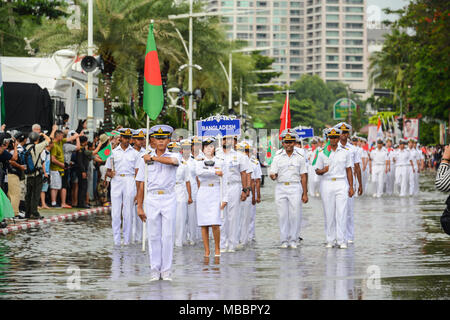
x,y
237,189
122,168
289,170
357,183
160,205
211,196
336,186
138,145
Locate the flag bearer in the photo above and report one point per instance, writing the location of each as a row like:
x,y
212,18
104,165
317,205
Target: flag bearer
x,y
289,170
334,164
161,203
139,146
122,167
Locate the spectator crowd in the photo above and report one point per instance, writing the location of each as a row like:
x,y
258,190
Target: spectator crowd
x,y
60,169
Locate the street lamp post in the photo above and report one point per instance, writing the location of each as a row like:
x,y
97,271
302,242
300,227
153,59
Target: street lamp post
x,y
90,75
192,15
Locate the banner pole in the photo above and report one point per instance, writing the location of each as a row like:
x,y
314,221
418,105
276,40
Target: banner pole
x,y
287,108
144,224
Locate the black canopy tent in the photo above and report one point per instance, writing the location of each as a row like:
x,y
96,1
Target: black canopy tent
x,y
27,104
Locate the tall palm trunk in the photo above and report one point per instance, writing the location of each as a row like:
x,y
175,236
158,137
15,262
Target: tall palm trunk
x,y
110,66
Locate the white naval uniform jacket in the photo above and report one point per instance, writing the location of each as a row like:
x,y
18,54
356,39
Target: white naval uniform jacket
x,y
123,162
338,161
288,168
379,157
159,176
235,162
402,158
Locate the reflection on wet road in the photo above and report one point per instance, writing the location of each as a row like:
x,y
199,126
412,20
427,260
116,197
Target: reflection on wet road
x,y
400,252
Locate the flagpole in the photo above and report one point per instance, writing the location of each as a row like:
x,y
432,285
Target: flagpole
x,y
144,224
287,109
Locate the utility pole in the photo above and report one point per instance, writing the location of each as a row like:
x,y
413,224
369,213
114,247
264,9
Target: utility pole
x,y
190,111
90,75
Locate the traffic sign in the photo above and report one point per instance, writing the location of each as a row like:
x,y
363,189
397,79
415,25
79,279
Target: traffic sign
x,y
340,108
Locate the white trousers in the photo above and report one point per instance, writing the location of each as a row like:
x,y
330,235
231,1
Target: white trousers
x,y
181,215
245,219
251,227
402,179
192,222
412,181
137,227
378,177
229,230
416,183
288,201
334,200
390,182
160,211
123,191
350,222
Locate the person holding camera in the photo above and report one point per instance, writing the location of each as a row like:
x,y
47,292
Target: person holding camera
x,y
16,173
5,157
34,179
45,159
443,184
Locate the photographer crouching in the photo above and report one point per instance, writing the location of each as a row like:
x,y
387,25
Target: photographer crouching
x,y
34,173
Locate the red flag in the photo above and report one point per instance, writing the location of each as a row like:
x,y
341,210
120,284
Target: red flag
x,y
285,116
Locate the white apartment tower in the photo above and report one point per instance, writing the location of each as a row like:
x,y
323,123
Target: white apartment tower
x,y
323,37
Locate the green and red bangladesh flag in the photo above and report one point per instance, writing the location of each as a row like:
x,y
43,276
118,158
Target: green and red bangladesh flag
x,y
153,90
105,152
326,151
269,155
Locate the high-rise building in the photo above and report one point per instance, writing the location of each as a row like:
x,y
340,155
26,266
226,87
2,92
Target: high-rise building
x,y
323,37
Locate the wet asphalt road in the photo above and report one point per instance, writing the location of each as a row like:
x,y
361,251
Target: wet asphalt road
x,y
399,252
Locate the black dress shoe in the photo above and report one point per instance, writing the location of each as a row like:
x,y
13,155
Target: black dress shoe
x,y
39,217
84,207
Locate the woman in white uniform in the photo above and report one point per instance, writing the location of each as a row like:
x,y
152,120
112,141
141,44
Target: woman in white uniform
x,y
210,202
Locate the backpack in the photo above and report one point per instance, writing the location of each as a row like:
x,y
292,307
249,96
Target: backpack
x,y
25,158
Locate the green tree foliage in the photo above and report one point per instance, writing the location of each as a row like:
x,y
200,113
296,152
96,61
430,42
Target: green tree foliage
x,y
312,104
415,58
19,19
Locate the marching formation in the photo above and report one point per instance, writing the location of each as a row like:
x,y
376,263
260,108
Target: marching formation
x,y
191,186
186,191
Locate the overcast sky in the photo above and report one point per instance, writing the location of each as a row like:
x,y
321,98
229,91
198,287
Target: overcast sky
x,y
375,9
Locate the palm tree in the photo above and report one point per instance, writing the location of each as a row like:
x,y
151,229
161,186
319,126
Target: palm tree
x,y
391,67
120,34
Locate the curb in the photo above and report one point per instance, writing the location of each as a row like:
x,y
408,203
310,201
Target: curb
x,y
62,217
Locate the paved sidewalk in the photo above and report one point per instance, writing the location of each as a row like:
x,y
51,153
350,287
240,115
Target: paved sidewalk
x,y
51,216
